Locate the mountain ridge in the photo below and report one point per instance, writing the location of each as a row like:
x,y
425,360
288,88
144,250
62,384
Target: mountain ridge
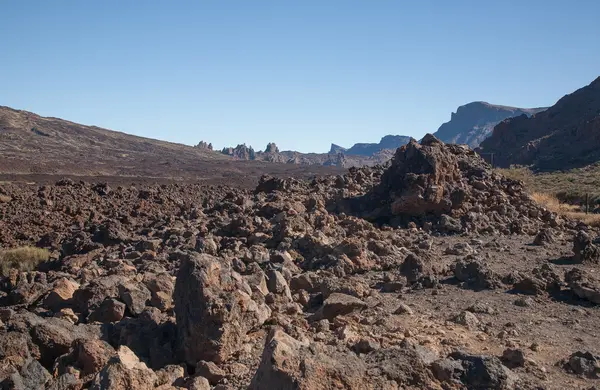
x,y
473,122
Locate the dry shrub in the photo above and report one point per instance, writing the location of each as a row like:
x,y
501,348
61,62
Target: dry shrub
x,y
552,203
25,258
5,198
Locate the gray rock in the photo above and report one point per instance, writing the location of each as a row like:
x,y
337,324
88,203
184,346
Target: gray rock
x,y
338,304
484,372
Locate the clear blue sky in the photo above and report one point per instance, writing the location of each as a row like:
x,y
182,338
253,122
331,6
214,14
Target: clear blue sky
x,y
300,73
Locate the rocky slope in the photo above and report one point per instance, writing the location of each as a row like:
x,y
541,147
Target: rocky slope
x,y
474,122
432,273
35,145
564,136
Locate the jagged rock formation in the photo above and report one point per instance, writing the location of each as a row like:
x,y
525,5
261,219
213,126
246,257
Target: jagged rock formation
x,y
271,148
336,149
240,152
564,136
204,145
474,122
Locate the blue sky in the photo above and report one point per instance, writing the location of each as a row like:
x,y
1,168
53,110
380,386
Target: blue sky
x,y
303,74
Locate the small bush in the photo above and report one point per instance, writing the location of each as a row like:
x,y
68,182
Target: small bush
x,y
24,259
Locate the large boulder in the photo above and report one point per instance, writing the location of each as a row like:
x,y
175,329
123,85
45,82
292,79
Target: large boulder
x,y
583,284
125,371
585,250
214,309
288,364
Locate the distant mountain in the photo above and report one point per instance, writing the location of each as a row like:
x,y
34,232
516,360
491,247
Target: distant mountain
x,y
336,149
474,122
566,135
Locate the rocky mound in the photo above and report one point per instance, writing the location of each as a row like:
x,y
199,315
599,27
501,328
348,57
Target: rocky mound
x,y
448,188
197,287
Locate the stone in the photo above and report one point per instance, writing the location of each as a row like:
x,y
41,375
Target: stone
x,y
460,249
543,237
277,284
484,372
447,370
403,308
583,363
338,304
366,346
170,375
161,287
214,309
124,372
210,371
90,356
61,294
111,310
54,338
34,375
287,363
467,319
513,358
585,251
199,383
583,284
135,296
475,274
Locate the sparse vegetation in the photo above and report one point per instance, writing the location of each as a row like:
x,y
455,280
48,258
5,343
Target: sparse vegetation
x,y
570,186
24,258
575,212
563,192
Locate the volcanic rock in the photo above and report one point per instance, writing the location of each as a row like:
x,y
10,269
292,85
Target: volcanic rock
x,y
214,309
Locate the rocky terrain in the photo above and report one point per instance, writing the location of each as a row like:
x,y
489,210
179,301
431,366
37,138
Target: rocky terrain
x,y
539,141
433,272
474,122
34,147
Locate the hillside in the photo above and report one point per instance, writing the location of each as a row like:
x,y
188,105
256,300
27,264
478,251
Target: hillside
x,y
474,122
34,145
566,135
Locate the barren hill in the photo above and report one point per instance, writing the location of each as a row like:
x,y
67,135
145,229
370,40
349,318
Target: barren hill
x,y
566,135
32,144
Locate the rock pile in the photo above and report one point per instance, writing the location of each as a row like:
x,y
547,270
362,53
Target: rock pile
x,y
452,189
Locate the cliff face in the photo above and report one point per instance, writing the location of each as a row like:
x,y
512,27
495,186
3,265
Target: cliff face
x,y
566,135
474,122
370,149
